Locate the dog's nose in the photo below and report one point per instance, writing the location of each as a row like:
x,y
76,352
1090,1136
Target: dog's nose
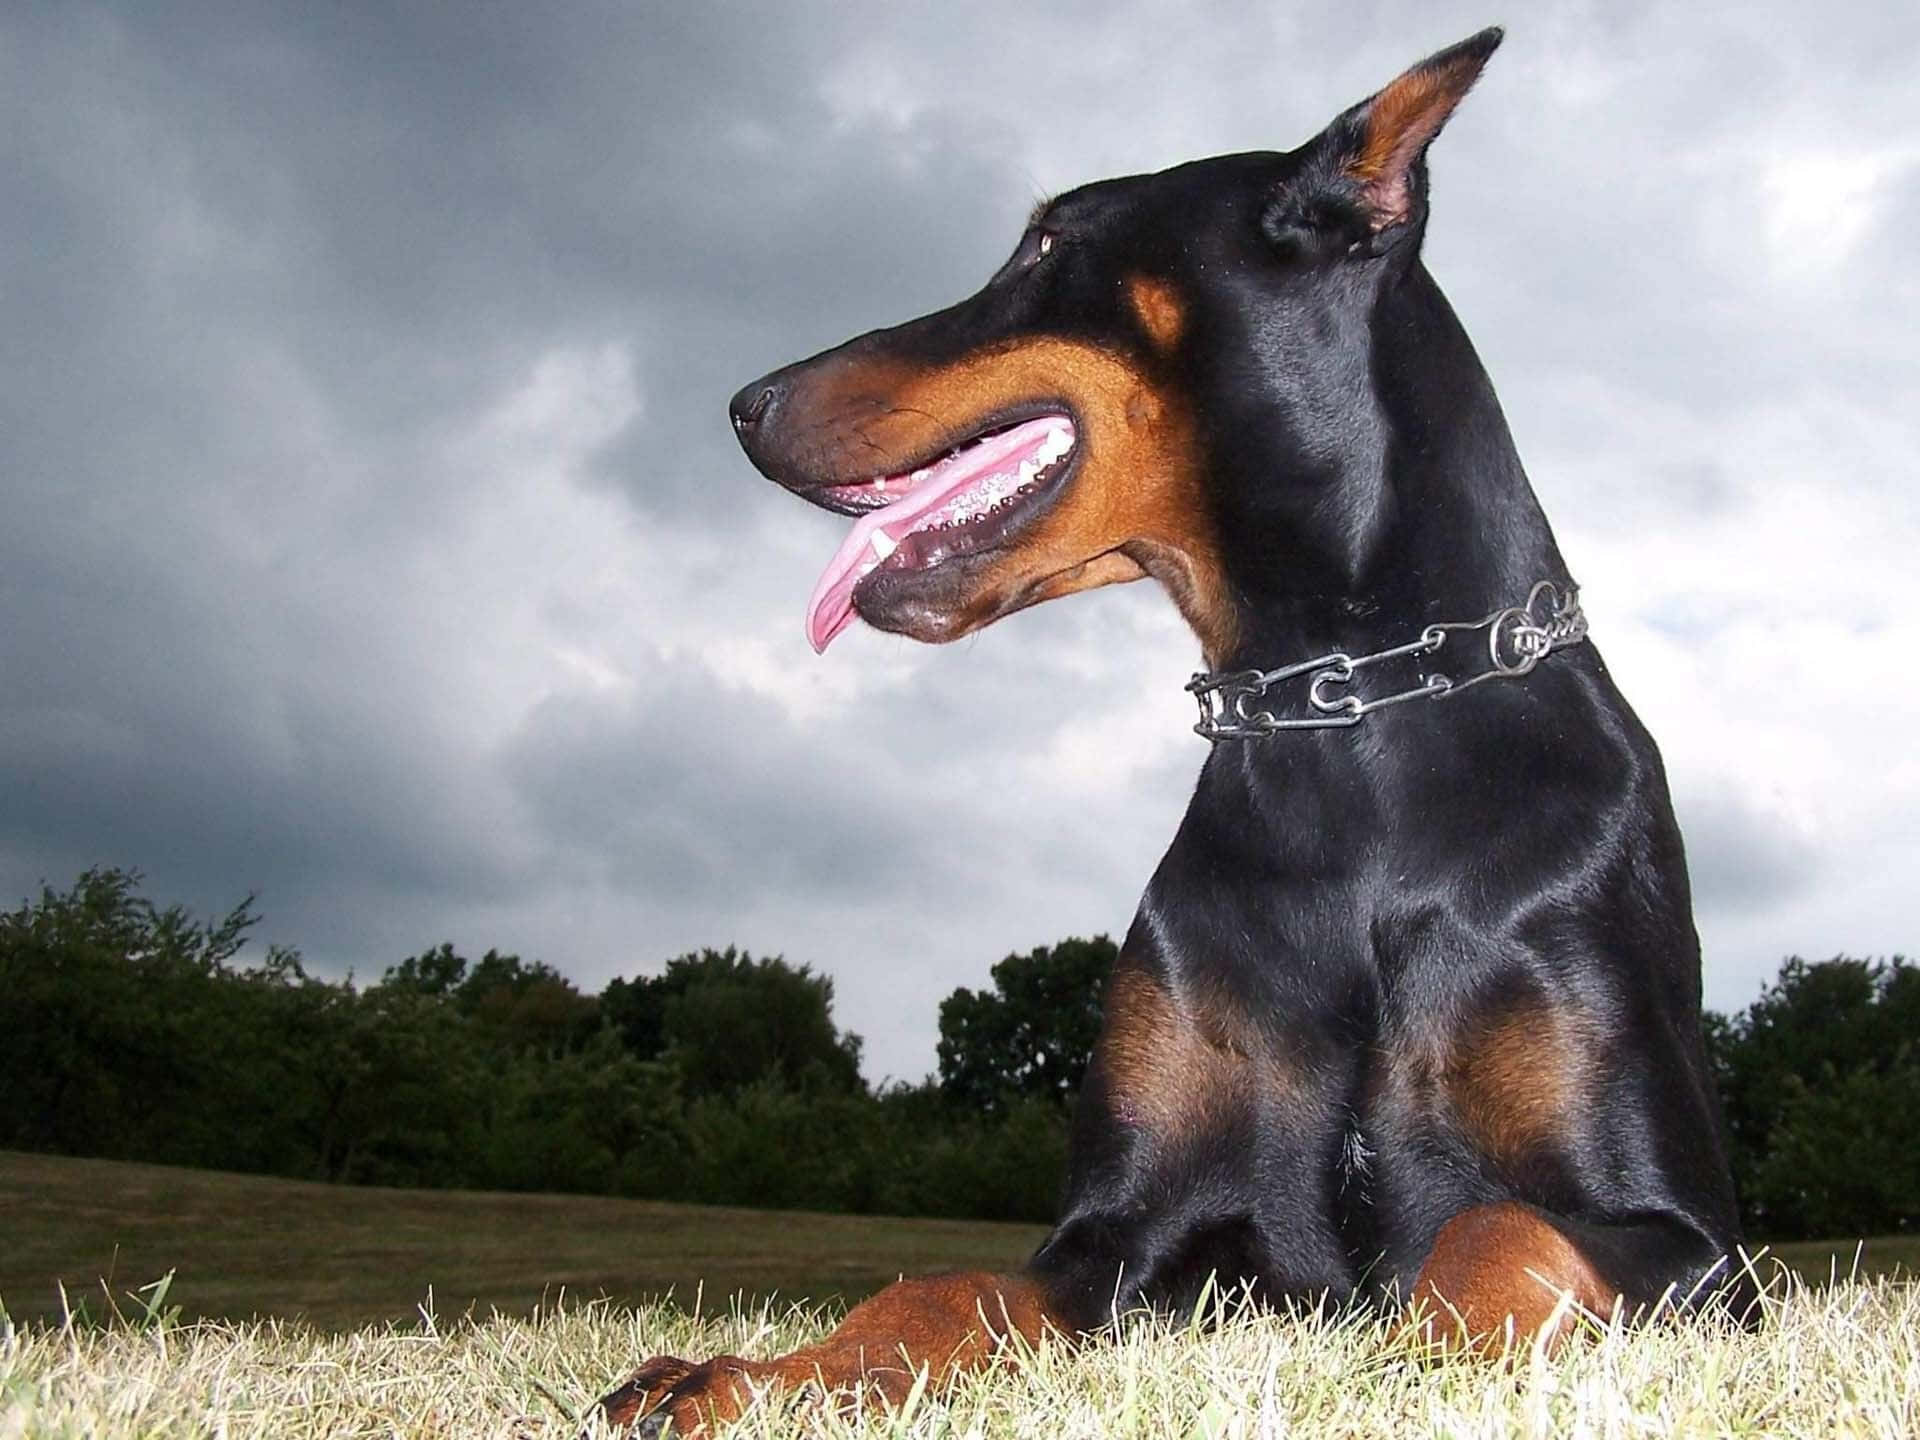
x,y
750,406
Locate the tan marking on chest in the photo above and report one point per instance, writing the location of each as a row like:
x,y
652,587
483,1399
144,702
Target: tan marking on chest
x,y
1519,1077
1171,1065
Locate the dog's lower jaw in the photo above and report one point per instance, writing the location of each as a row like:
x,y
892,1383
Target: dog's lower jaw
x,y
911,612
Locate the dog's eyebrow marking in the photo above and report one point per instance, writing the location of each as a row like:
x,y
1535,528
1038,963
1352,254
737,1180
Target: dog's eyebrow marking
x,y
1039,211
1159,308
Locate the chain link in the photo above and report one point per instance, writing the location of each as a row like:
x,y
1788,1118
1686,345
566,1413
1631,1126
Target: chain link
x,y
1232,705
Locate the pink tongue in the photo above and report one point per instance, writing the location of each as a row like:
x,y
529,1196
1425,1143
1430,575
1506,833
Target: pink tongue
x,y
830,609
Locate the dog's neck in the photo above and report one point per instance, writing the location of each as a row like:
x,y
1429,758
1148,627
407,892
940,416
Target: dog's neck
x,y
1430,518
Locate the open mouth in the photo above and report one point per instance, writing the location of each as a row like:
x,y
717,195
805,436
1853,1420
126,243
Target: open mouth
x,y
959,505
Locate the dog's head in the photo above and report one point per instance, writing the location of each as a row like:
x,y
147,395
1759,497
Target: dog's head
x,y
1063,428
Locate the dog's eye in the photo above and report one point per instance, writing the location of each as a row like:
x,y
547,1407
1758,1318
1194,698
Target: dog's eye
x,y
1035,245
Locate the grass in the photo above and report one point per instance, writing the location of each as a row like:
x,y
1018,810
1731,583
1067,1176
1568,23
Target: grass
x,y
1819,1262
1836,1361
340,1257
372,1358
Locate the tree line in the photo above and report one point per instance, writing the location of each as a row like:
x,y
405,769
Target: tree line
x,y
134,1031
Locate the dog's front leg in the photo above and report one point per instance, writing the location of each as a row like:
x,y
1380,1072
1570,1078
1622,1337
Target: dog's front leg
x,y
943,1324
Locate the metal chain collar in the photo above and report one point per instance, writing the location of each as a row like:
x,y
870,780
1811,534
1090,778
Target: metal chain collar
x,y
1232,704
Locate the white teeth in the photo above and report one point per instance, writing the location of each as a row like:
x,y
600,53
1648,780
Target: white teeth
x,y
1057,443
1028,469
883,543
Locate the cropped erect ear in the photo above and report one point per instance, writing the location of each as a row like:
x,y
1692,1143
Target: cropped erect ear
x,y
1382,141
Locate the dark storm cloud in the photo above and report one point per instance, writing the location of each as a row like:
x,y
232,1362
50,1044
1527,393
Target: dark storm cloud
x,y
382,193
234,225
705,789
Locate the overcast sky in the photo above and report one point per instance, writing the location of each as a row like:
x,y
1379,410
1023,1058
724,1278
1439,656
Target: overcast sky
x,y
372,537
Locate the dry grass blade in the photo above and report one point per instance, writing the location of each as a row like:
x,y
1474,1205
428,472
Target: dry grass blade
x,y
1839,1361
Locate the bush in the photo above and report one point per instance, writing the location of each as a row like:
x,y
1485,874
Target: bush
x,y
1820,1080
134,1034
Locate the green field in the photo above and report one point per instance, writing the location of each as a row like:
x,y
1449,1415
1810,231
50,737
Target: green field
x,y
344,1257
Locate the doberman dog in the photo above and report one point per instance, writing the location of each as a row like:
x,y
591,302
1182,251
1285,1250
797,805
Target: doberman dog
x,y
1410,1011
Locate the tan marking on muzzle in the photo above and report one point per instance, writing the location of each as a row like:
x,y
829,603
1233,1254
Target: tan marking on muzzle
x,y
1136,504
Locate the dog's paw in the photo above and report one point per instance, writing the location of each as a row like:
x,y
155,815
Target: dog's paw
x,y
642,1391
668,1396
